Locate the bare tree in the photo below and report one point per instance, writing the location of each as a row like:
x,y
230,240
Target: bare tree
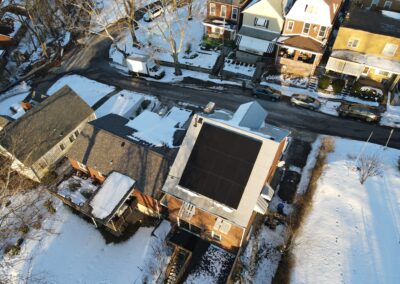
x,y
369,166
130,10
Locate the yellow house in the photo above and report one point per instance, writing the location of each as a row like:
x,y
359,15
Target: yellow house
x,y
368,46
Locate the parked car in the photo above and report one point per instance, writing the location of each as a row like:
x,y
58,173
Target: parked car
x,y
153,13
266,94
365,112
305,101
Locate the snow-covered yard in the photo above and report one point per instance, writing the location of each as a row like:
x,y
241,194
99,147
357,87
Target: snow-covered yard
x,y
352,234
77,253
13,98
90,91
239,68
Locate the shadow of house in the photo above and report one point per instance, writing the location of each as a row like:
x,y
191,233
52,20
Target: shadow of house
x,y
43,135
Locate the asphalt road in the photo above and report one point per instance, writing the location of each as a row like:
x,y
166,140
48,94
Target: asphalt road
x,y
92,62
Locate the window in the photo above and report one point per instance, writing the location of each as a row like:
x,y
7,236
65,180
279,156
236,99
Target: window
x,y
387,5
42,164
76,133
365,71
234,13
290,25
310,9
306,28
335,6
71,138
353,43
215,236
223,11
62,146
261,22
382,73
390,49
322,31
212,9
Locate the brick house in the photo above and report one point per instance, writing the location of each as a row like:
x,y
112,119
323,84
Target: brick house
x,y
354,55
305,35
220,178
43,135
105,147
224,18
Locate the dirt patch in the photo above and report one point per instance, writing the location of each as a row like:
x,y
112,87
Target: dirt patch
x,y
302,207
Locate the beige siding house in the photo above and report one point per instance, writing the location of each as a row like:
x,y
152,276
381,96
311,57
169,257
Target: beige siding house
x,y
262,25
37,140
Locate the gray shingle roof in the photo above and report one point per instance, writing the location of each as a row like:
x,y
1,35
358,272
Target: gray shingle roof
x,y
107,152
40,129
257,33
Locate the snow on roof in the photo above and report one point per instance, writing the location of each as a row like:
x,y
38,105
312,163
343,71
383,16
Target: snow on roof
x,y
251,115
311,11
16,22
90,91
159,130
112,192
124,104
391,14
381,63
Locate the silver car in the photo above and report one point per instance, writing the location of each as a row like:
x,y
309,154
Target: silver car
x,y
305,101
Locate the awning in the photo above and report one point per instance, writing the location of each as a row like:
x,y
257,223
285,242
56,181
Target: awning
x,y
255,45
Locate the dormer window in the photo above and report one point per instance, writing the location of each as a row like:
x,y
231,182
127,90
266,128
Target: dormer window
x,y
310,9
261,22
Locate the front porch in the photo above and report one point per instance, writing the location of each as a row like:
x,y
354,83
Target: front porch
x,y
298,62
219,28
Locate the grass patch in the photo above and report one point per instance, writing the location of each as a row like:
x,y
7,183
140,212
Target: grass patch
x,y
302,208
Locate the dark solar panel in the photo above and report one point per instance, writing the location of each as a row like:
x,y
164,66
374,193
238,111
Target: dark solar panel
x,y
220,164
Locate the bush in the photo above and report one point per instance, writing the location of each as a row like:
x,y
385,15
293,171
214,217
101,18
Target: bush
x,y
86,194
24,229
12,250
356,88
338,85
49,206
188,48
74,185
145,104
324,82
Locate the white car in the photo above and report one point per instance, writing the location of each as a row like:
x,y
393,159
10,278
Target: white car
x,y
153,13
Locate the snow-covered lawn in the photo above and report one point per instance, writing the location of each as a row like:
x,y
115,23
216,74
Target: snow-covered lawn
x,y
90,91
77,253
352,234
13,97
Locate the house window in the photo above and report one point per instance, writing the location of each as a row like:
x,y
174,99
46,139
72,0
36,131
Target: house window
x,y
71,138
310,9
223,11
261,22
387,5
365,71
353,43
234,14
290,26
306,28
390,49
42,164
382,73
212,9
76,133
322,31
215,236
62,146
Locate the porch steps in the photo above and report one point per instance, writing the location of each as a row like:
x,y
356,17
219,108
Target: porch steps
x,y
260,68
313,83
177,266
218,66
346,90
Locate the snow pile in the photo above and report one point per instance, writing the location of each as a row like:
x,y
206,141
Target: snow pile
x,y
391,117
77,253
125,103
159,130
90,91
13,97
76,188
214,267
352,227
114,189
301,82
